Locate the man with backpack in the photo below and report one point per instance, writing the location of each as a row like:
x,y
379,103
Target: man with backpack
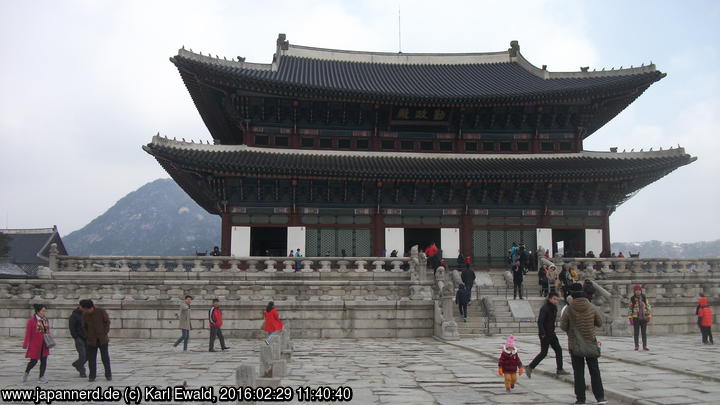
x,y
579,321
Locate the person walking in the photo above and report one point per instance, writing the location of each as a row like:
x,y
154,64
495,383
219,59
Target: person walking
x,y
36,327
468,262
460,260
431,252
543,281
548,338
96,323
215,321
579,321
468,278
462,297
589,289
273,323
78,334
639,316
509,364
524,257
705,320
185,327
517,274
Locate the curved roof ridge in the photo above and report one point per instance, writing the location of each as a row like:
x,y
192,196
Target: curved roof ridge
x,y
342,55
163,141
511,55
583,73
208,59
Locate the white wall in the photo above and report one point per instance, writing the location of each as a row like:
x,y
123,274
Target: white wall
x,y
296,239
544,239
395,240
593,241
450,242
240,241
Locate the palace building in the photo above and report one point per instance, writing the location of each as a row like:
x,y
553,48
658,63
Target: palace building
x,y
361,153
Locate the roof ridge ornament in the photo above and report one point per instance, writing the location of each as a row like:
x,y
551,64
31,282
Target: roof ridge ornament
x,y
514,49
282,42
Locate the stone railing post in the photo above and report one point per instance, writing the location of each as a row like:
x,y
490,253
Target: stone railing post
x,y
270,266
288,266
325,266
620,266
360,266
396,266
378,266
343,266
668,268
53,257
306,266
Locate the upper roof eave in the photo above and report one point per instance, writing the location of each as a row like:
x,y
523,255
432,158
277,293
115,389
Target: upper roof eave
x,y
284,48
171,143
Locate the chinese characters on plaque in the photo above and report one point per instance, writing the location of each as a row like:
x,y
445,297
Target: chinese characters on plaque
x,y
420,114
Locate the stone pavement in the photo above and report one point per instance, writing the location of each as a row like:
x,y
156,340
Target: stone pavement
x,y
676,370
397,371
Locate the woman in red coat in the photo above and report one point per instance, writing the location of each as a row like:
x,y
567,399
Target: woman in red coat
x,y
35,329
272,321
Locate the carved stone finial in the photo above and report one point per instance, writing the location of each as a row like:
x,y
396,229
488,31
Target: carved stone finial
x,y
584,68
240,59
282,43
514,48
544,67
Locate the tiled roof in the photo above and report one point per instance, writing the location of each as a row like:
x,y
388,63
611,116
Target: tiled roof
x,y
241,159
31,246
436,77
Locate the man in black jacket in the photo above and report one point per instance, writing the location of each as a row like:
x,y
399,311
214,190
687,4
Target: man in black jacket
x,y
468,278
78,334
546,330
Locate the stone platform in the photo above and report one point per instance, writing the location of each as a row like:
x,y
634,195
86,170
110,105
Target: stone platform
x,y
400,371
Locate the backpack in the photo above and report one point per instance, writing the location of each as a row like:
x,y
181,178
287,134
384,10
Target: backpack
x,y
581,346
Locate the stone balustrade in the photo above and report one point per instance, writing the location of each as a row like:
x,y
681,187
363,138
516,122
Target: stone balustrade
x,y
228,264
624,268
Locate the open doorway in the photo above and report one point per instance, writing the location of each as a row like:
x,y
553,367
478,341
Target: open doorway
x,y
268,241
421,237
573,242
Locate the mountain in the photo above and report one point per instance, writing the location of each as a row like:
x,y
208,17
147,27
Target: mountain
x,y
669,250
158,219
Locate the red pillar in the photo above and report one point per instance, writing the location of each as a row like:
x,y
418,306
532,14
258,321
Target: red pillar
x,y
466,245
378,239
225,233
606,234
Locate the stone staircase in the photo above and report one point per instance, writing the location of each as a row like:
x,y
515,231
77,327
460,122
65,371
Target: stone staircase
x,y
503,322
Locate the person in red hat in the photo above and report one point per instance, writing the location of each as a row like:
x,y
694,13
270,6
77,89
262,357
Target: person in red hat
x,y
639,316
705,320
509,365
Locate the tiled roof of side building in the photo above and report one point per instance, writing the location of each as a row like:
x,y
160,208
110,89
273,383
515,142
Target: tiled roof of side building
x,y
31,246
435,77
230,159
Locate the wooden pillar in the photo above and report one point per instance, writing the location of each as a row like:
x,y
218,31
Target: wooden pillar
x,y
378,234
606,234
466,245
225,233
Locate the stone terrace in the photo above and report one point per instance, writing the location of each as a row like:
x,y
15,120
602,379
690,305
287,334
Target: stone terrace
x,y
402,371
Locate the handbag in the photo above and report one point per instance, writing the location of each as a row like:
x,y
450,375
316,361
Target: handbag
x,y
49,341
582,347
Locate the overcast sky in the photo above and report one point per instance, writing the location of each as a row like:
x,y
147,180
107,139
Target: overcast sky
x,y
83,84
